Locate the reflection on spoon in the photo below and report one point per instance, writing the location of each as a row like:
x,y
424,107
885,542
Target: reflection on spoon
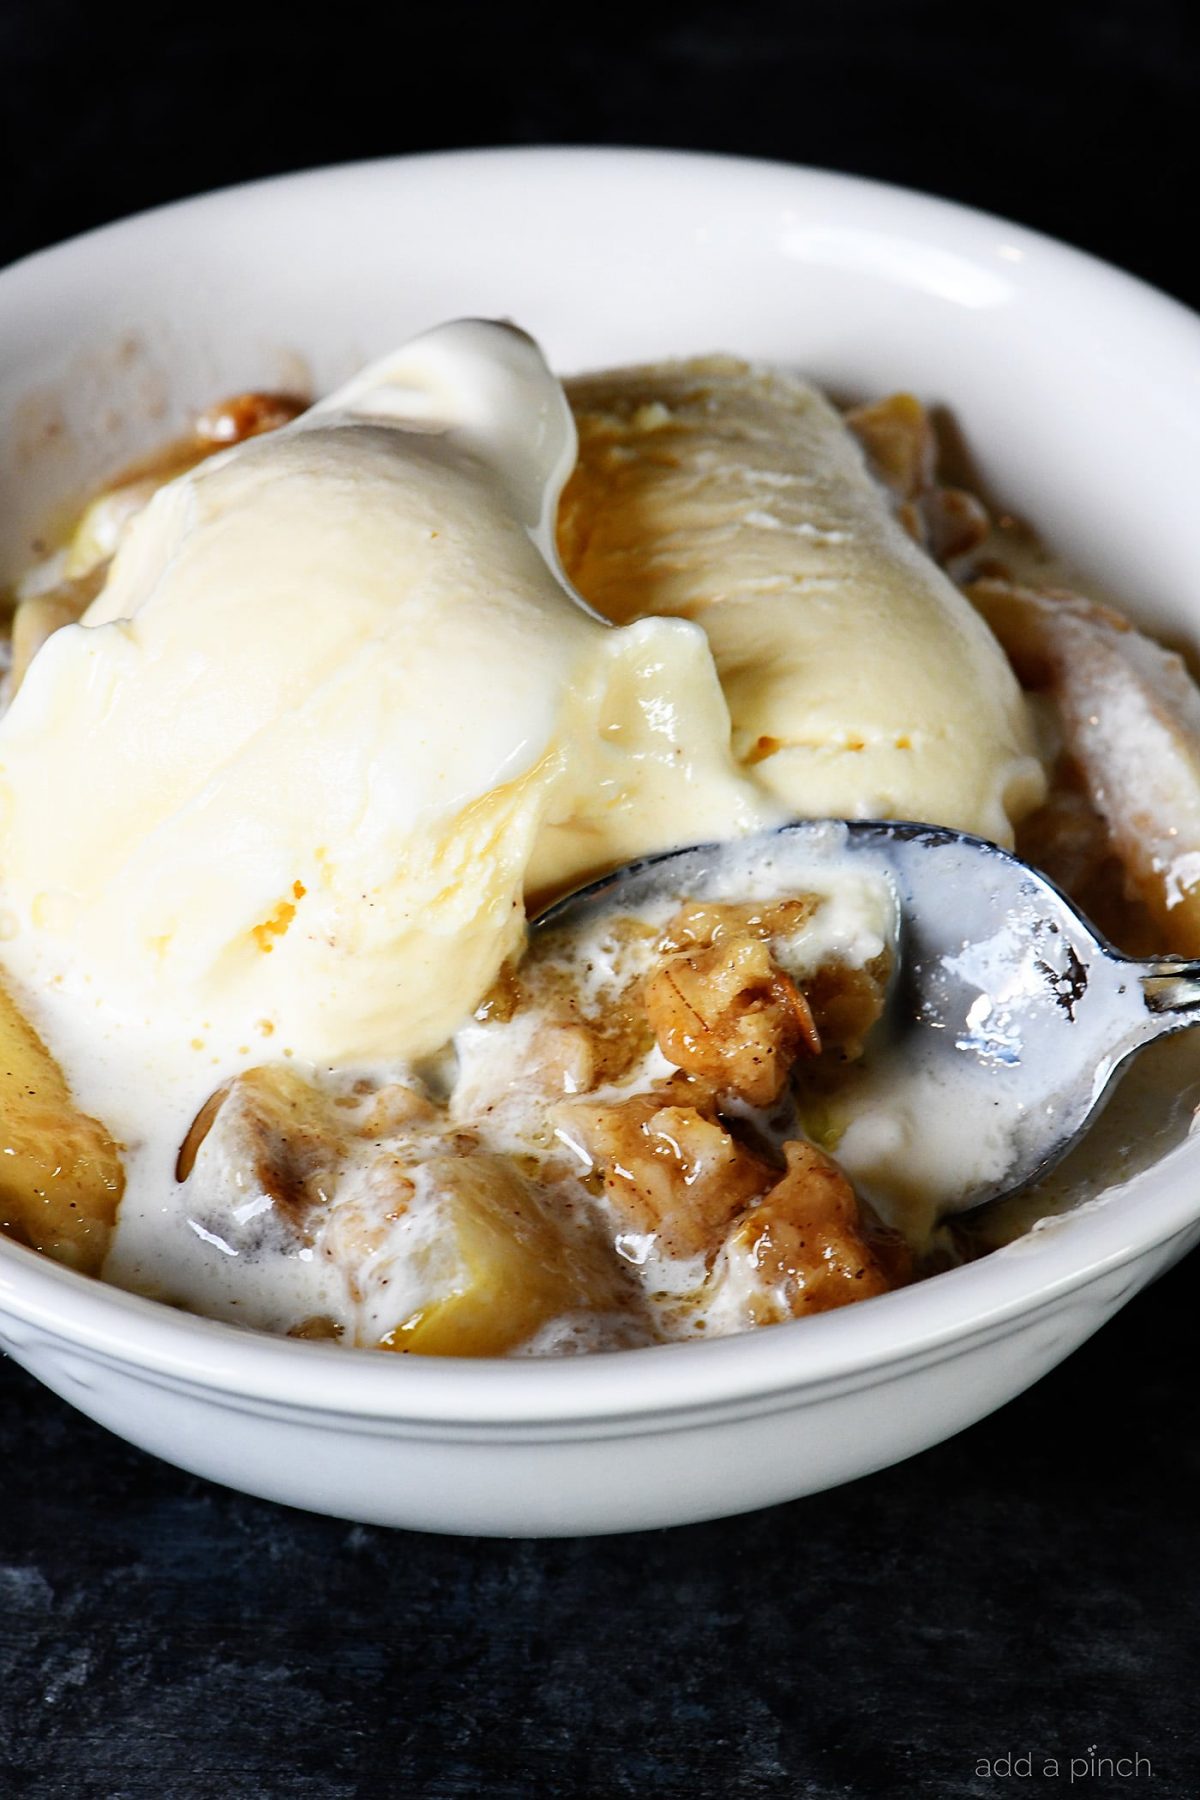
x,y
1008,1020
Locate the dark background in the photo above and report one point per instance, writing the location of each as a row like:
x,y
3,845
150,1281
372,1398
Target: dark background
x,y
1029,1587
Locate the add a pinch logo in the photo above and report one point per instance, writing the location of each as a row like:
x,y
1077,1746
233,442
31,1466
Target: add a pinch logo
x,y
1032,1765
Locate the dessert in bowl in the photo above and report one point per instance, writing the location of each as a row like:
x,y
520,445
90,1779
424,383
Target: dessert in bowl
x,y
535,1427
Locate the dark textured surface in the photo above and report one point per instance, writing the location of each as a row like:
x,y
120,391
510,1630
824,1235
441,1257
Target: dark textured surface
x,y
1028,1588
1077,118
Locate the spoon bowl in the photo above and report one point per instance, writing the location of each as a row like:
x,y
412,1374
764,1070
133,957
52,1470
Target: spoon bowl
x,y
1009,1016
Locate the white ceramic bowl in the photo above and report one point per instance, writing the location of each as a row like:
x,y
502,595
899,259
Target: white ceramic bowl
x,y
1080,390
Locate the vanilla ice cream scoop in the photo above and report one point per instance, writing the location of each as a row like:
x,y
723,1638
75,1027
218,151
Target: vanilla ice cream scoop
x,y
334,711
860,681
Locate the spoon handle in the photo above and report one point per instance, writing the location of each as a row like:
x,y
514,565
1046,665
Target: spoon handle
x,y
1171,985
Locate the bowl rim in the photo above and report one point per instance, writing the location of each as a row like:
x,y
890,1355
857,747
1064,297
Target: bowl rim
x,y
928,1320
956,214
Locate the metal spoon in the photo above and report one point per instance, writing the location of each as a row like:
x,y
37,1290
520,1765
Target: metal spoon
x,y
1009,1017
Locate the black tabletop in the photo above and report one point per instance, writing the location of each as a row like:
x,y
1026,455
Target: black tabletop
x,y
1000,1614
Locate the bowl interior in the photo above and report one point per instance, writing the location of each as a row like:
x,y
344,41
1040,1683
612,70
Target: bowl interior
x,y
1077,390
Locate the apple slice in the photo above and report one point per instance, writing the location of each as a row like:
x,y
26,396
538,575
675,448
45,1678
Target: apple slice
x,y
61,1177
501,1267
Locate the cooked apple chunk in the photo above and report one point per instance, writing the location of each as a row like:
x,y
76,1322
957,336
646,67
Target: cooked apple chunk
x,y
61,1177
281,1136
1129,713
671,1170
843,1000
806,1246
901,445
846,1003
500,1267
728,1013
703,922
